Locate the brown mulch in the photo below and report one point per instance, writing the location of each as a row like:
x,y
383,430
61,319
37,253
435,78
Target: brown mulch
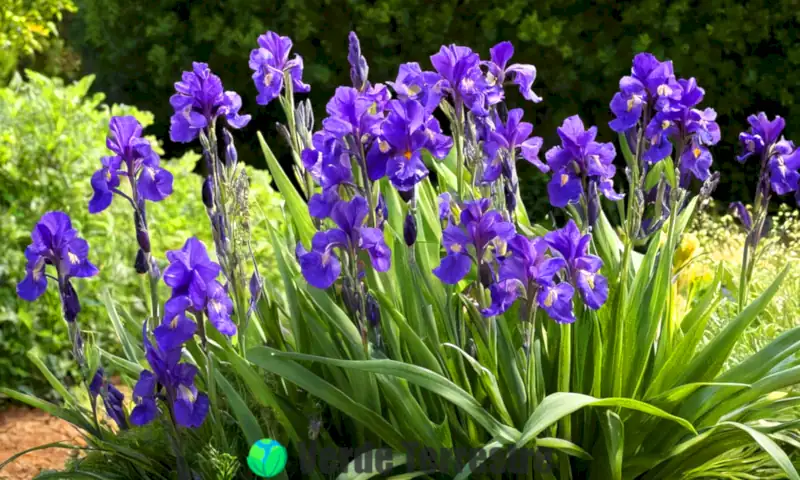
x,y
22,428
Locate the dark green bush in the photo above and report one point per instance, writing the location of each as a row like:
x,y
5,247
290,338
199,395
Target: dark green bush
x,y
743,54
51,139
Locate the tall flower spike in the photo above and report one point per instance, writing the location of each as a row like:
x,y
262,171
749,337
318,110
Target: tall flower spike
x,y
133,158
270,61
199,100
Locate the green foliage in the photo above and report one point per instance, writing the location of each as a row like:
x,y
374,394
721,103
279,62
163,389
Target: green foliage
x,y
51,139
743,54
28,27
722,239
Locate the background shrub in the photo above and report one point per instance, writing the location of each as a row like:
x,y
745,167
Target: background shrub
x,y
743,54
52,136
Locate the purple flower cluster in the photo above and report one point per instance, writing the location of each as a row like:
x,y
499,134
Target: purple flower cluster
x,y
112,398
321,266
170,381
481,235
133,158
780,159
506,141
54,242
270,63
199,101
479,84
665,107
580,165
532,267
192,276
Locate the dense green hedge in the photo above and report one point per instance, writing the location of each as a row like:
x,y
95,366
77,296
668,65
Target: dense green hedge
x,y
743,54
52,136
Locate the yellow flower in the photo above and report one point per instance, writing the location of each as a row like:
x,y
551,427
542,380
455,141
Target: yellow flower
x,y
686,250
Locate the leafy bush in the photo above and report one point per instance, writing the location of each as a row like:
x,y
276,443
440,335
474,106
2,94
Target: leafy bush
x,y
745,53
51,139
410,313
28,27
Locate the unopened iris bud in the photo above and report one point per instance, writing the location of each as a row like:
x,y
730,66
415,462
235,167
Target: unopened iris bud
x,y
486,275
358,64
511,197
593,206
231,156
69,302
506,169
142,237
140,264
155,272
373,312
208,196
406,195
350,296
410,229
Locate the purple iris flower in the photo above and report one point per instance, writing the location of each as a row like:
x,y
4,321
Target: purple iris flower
x,y
112,398
651,83
407,130
460,68
472,240
526,270
133,158
579,157
192,276
424,87
320,266
170,381
270,61
352,113
199,100
657,136
522,75
54,242
740,211
327,161
783,164
506,140
582,267
763,133
445,204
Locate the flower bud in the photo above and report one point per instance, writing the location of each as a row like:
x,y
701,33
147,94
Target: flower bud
x,y
410,229
506,168
358,64
511,197
155,272
69,302
373,312
231,157
593,205
350,296
142,237
208,195
406,195
140,264
486,275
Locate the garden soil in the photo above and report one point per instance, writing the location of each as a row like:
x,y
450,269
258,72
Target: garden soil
x,y
22,428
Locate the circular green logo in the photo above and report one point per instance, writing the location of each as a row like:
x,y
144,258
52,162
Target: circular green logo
x,y
267,458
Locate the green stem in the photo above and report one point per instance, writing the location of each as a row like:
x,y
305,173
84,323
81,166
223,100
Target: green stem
x,y
216,417
184,472
564,374
530,372
458,134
